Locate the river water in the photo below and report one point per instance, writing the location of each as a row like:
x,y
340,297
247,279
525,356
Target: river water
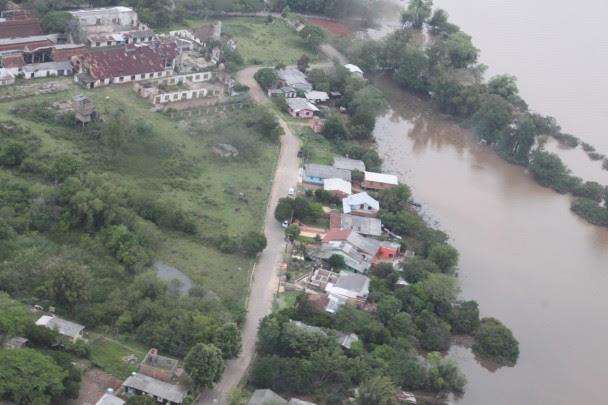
x,y
524,257
559,53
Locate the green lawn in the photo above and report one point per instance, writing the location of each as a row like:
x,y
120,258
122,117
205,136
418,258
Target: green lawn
x,y
226,196
108,355
265,43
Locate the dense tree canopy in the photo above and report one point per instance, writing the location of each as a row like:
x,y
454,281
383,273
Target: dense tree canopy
x,y
29,377
496,342
204,365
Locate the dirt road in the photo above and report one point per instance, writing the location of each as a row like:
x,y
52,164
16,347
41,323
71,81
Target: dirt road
x,y
265,280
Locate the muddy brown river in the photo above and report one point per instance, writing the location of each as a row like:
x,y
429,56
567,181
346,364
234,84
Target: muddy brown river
x,y
524,257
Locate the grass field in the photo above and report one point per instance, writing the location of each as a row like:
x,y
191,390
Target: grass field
x,y
226,196
262,43
316,147
108,355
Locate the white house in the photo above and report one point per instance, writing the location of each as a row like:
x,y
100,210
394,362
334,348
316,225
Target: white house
x,y
315,96
301,108
379,181
360,204
63,327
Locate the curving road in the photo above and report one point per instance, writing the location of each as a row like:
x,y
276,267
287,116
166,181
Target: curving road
x,y
265,280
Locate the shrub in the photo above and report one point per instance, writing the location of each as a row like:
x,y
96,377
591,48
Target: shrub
x,y
495,341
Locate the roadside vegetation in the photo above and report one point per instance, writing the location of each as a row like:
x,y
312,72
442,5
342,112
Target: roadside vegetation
x,y
447,69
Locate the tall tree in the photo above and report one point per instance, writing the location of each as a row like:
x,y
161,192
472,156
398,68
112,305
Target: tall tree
x,y
29,377
377,391
70,283
418,12
204,364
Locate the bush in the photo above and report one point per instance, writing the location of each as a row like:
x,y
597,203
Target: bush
x,y
266,77
495,341
253,243
549,171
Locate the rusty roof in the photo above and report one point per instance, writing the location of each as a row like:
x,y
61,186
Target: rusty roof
x,y
13,61
20,28
128,60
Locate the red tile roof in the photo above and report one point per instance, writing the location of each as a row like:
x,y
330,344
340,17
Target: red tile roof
x,y
336,234
128,61
12,61
20,28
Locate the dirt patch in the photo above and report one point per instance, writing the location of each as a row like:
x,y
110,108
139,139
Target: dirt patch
x,y
334,27
94,384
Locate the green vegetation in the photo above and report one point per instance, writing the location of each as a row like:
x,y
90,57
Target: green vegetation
x,y
109,355
263,43
446,68
495,341
86,211
204,365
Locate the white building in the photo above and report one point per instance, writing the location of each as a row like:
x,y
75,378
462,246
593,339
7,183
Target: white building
x,y
360,204
47,69
338,186
349,286
107,19
354,70
61,326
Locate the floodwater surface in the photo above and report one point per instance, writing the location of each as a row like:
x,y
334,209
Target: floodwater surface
x,y
525,257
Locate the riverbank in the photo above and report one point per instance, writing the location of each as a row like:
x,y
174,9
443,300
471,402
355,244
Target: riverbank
x,y
445,67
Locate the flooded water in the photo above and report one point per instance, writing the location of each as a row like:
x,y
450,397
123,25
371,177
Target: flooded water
x,y
524,257
559,53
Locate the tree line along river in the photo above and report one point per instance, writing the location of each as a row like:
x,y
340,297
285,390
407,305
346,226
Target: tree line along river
x,y
524,257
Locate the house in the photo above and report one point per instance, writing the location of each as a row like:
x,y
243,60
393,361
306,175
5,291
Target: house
x,y
354,70
360,204
266,397
6,77
367,226
19,28
320,277
379,181
294,78
126,64
109,399
315,174
161,391
157,366
341,162
47,69
349,287
337,186
285,91
370,251
316,96
16,342
99,40
69,329
301,108
353,259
